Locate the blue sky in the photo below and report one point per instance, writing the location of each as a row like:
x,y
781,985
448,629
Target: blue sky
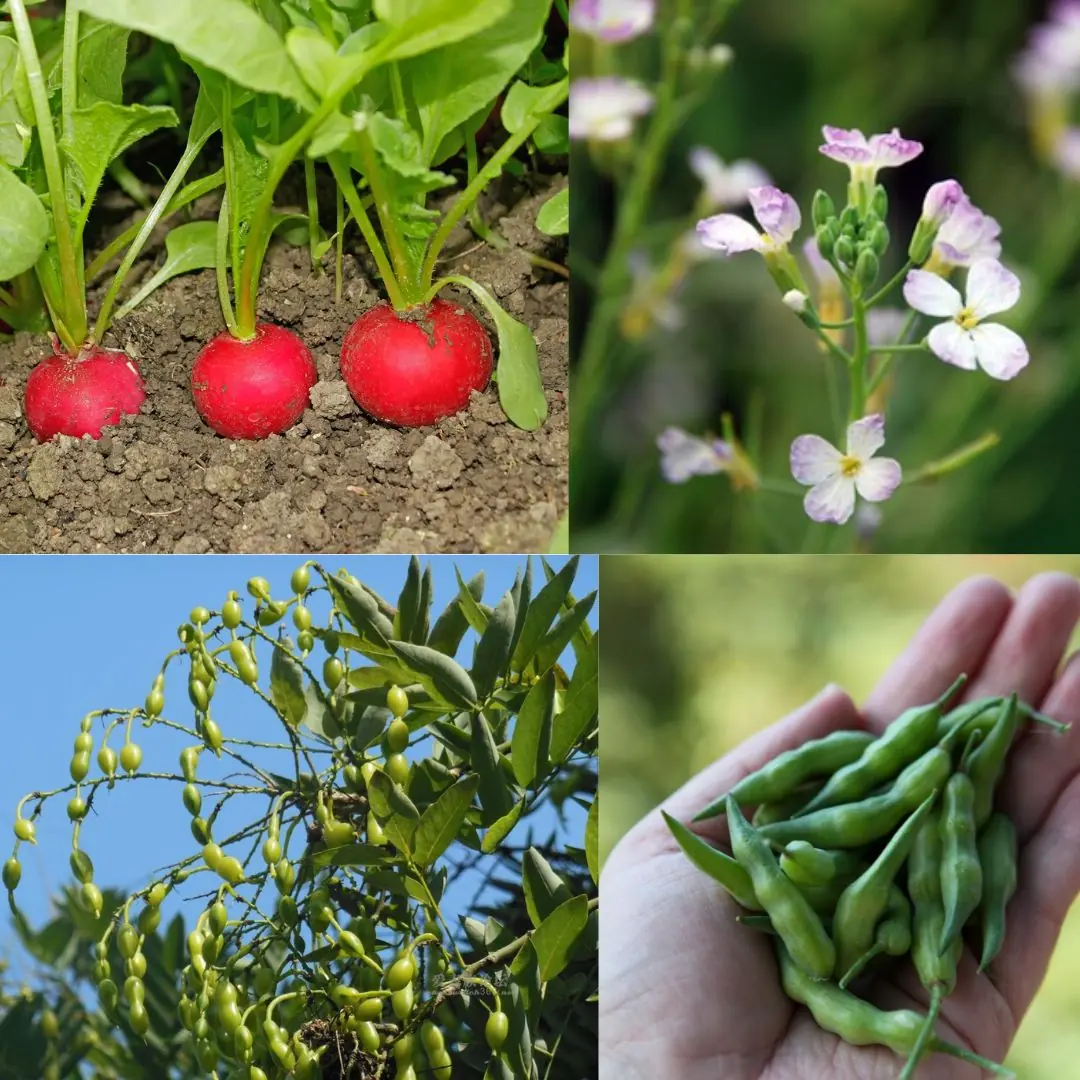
x,y
89,632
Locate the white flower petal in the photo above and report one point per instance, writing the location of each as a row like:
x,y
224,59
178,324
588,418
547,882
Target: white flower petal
x,y
1001,352
878,479
814,459
729,234
991,288
866,437
831,500
953,345
930,294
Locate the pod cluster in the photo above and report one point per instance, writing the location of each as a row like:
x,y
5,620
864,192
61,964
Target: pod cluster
x,y
855,852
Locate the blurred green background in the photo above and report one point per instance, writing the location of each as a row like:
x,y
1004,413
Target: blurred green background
x,y
701,652
941,73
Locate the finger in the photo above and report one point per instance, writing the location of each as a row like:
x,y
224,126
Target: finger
x,y
1049,876
955,638
1043,764
1029,648
828,711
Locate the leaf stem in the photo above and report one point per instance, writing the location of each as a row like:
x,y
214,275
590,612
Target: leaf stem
x,y
313,212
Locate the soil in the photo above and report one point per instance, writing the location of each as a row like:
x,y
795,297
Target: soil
x,y
336,482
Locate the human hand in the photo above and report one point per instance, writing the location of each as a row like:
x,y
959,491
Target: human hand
x,y
686,992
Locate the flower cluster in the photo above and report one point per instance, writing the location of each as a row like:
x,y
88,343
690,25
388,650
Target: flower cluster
x,y
844,258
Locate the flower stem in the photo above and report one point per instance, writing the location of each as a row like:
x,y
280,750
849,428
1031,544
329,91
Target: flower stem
x,y
890,284
897,348
858,360
934,470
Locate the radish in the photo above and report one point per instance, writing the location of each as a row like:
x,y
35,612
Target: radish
x,y
80,395
251,389
417,366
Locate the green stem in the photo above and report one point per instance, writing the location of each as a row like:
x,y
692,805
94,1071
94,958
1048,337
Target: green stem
x,y
934,470
342,174
557,95
890,284
882,369
399,93
858,361
971,1057
339,254
922,1043
68,93
313,212
150,222
897,348
74,306
837,351
221,264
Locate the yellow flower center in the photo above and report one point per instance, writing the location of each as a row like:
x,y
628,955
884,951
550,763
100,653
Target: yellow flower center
x,y
849,465
967,319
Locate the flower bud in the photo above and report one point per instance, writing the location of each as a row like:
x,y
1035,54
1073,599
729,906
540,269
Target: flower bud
x,y
879,204
849,217
823,209
844,251
796,300
940,201
866,268
878,238
826,236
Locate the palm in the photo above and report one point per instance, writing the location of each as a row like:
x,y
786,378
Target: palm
x,y
688,992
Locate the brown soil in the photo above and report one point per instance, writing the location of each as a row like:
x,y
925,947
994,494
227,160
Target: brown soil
x,y
336,482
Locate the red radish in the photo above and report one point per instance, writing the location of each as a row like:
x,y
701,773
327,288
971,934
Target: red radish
x,y
251,389
415,367
79,395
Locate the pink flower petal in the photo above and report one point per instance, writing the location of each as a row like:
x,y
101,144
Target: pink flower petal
x,y
814,459
1001,352
991,288
777,212
878,479
729,234
893,149
955,346
931,294
866,437
849,137
831,500
846,155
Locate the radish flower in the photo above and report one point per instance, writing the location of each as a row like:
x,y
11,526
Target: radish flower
x,y
836,477
725,185
777,213
967,236
613,21
605,109
965,340
683,455
865,156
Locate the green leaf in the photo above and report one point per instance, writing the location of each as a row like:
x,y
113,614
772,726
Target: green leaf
x,y
560,538
102,57
422,25
388,798
502,828
350,855
521,392
225,35
493,649
14,124
552,135
532,731
554,216
423,611
102,132
544,889
319,718
450,85
315,58
592,838
452,736
408,603
451,625
188,247
440,674
287,683
555,936
562,633
520,103
24,226
368,678
361,609
522,591
579,704
495,797
543,608
440,822
474,614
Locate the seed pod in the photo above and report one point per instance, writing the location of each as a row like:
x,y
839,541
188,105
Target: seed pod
x,y
84,743
136,966
12,874
130,757
107,760
246,666
76,808
496,1029
218,917
192,799
284,875
108,995
149,919
127,941
397,701
333,672
401,1002
134,990
92,898
199,694
272,612
368,1036
154,703
349,944
212,855
243,1043
212,735
189,762
259,588
402,972
397,736
231,614
300,580
231,870
397,768
199,616
200,829
961,871
305,641
24,830
156,896
271,850
79,767
301,618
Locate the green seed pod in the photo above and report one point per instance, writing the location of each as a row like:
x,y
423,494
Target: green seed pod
x,y
259,588
189,762
375,833
84,743
195,943
24,830
397,701
271,850
231,614
369,1009
319,915
401,973
212,855
245,664
76,808
149,920
367,1036
496,1029
212,735
92,898
301,617
102,970
300,580
200,829
12,874
397,768
243,1043
154,703
134,990
79,767
50,1024
81,865
231,869
136,966
305,640
206,1055
212,947
199,694
130,757
218,917
127,941
156,896
255,1073
107,760
108,995
336,833
192,799
844,251
349,944
284,875
272,612
199,616
440,1065
401,1001
403,1050
867,268
397,736
188,1013
333,672
432,1038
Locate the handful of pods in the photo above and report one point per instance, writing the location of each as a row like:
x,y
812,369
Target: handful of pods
x,y
863,847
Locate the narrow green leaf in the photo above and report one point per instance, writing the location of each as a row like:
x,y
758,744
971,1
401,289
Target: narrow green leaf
x,y
579,704
361,609
451,625
350,855
188,247
522,591
287,683
440,822
470,605
422,25
543,608
553,217
592,838
495,796
443,675
562,633
319,718
544,889
532,731
555,936
408,603
502,828
493,649
452,736
388,798
423,611
24,226
368,678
